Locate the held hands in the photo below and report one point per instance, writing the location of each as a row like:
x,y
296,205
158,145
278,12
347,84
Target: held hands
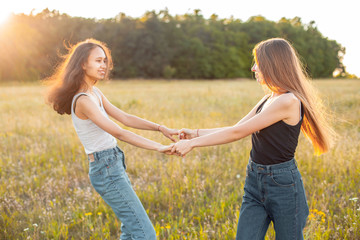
x,y
166,149
186,133
182,147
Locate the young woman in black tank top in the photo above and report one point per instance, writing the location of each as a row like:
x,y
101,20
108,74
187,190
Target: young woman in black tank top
x,y
273,188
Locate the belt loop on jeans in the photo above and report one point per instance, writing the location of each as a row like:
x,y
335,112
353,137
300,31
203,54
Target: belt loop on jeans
x,y
91,157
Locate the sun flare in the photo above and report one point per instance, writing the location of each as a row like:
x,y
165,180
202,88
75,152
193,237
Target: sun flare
x,y
4,15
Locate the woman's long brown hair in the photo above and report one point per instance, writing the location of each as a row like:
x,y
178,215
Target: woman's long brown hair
x,y
282,71
69,76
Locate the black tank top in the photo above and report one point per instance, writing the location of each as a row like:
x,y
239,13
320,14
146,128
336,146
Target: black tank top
x,y
276,143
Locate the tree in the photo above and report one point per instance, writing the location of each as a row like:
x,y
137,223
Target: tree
x,y
160,45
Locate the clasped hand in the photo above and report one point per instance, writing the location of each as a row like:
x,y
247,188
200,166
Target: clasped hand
x,y
182,147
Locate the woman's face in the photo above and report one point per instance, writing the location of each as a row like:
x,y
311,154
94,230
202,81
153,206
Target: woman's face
x,y
258,75
95,67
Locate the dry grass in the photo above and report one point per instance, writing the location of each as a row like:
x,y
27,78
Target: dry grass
x,y
45,192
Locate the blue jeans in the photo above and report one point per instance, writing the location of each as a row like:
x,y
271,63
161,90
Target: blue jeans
x,y
273,193
108,177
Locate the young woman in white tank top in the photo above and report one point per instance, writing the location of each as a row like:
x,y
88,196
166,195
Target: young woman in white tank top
x,y
73,92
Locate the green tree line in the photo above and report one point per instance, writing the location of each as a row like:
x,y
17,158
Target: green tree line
x,y
158,45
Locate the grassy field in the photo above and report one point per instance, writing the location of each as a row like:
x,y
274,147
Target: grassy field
x,y
45,192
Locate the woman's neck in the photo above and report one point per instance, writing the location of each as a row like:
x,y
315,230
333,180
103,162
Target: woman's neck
x,y
90,81
88,84
87,88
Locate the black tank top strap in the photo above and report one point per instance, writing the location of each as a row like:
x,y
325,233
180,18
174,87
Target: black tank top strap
x,y
261,105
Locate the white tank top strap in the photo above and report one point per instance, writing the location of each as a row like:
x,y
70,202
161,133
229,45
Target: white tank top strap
x,y
76,96
96,91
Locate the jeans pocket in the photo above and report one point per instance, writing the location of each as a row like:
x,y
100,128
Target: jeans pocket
x,y
116,171
95,168
111,161
283,179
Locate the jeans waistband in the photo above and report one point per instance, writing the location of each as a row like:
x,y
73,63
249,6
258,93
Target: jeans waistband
x,y
274,168
100,154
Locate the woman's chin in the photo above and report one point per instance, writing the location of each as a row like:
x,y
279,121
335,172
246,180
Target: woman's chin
x,y
99,78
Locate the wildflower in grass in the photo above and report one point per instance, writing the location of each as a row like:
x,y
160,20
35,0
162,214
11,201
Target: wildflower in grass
x,y
321,213
26,229
88,214
168,226
237,175
35,225
314,212
354,199
99,213
311,216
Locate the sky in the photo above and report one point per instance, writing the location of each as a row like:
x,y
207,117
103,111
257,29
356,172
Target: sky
x,y
336,20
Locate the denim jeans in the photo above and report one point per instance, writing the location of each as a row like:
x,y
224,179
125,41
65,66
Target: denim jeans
x,y
273,193
108,177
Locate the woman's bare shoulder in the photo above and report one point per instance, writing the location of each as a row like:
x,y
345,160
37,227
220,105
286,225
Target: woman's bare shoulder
x,y
287,100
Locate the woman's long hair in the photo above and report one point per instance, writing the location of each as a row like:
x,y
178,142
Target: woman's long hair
x,y
70,76
282,71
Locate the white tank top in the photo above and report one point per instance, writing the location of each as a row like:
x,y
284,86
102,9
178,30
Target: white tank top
x,y
92,137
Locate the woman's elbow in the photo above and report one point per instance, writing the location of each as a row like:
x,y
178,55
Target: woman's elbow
x,y
118,133
237,134
126,120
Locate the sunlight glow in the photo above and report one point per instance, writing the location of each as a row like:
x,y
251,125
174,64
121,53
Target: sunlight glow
x,y
4,15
